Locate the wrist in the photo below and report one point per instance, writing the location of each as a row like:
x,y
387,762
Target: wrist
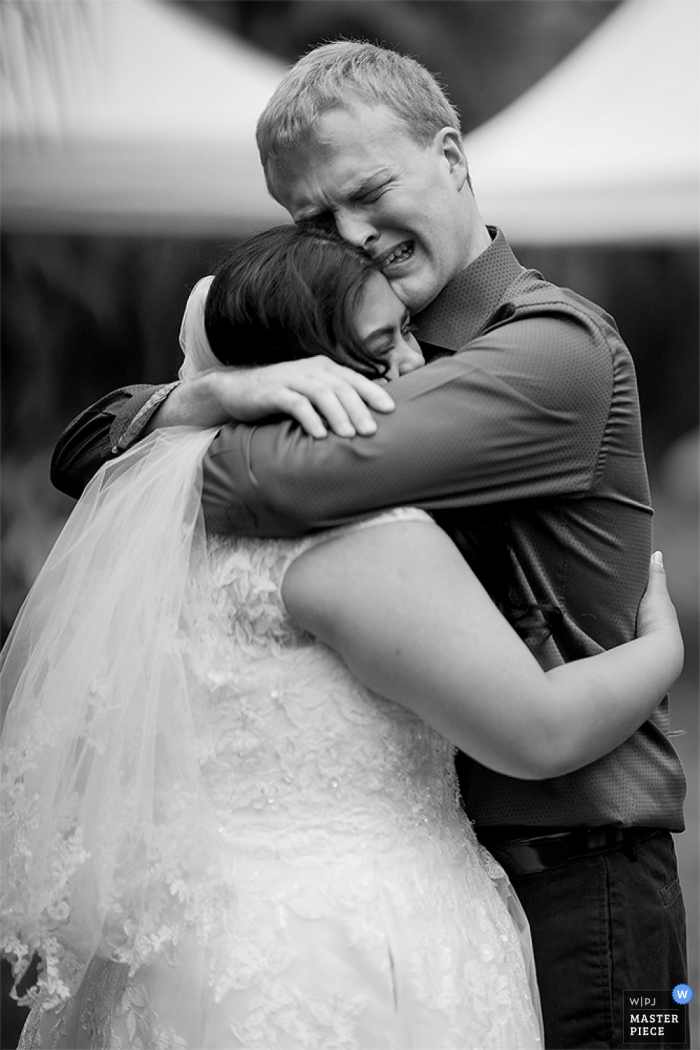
x,y
195,402
206,399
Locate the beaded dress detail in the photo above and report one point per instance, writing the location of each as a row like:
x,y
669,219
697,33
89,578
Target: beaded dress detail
x,y
350,906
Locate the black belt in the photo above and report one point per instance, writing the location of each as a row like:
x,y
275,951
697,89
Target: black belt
x,y
522,851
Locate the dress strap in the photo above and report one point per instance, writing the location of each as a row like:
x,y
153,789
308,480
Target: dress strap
x,y
314,539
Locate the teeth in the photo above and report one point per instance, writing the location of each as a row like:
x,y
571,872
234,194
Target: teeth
x,y
400,253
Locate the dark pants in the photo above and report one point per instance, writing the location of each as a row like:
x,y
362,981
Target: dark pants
x,y
602,924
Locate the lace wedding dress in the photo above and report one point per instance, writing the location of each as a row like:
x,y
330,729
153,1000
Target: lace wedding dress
x,y
349,904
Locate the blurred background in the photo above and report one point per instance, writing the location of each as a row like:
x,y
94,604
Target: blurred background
x,y
129,164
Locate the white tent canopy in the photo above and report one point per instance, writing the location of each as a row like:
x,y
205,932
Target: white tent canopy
x,y
145,123
606,147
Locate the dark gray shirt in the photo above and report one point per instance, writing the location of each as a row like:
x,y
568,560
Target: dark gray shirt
x,y
534,409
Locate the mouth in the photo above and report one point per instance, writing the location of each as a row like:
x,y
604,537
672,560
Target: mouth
x,y
397,257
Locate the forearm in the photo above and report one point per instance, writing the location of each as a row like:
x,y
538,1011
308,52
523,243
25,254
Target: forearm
x,y
431,452
460,436
195,403
411,621
517,719
315,391
524,722
592,705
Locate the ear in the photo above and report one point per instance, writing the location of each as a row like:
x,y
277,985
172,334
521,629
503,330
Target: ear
x,y
449,143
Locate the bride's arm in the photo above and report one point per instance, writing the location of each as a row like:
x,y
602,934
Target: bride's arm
x,y
401,606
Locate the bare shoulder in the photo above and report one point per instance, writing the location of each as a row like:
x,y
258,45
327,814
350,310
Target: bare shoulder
x,y
385,565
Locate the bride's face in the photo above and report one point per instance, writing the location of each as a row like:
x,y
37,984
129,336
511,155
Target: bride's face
x,y
383,325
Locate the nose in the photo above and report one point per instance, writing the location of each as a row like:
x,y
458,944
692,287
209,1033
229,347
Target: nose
x,y
355,228
411,359
405,358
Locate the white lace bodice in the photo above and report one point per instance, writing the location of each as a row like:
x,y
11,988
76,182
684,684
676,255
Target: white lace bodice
x,y
315,757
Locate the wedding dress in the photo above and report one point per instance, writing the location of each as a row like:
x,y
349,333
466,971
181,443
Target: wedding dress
x,y
213,835
350,905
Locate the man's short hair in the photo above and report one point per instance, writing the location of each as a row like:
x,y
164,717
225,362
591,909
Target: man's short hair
x,y
339,73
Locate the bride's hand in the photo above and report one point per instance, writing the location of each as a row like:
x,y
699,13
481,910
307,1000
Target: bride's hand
x,y
657,613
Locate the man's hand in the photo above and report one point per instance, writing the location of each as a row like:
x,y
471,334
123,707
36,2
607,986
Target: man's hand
x,y
315,391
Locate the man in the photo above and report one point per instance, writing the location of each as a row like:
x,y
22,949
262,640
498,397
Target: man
x,y
529,407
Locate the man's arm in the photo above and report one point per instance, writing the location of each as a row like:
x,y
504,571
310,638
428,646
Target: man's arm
x,y
316,392
500,421
99,434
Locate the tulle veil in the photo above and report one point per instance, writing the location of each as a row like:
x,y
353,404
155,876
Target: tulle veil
x,y
99,765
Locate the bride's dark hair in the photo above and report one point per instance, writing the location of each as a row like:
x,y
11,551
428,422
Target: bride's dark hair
x,y
290,292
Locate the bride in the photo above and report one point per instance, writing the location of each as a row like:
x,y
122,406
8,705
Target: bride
x,y
230,811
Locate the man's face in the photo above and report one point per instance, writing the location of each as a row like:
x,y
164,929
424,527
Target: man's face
x,y
403,203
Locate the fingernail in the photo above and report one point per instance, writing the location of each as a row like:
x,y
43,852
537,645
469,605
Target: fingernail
x,y
657,558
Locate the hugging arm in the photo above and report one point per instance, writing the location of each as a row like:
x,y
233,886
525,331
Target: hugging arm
x,y
316,392
409,618
500,421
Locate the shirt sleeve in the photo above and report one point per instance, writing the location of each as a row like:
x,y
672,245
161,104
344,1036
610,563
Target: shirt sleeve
x,y
520,414
101,432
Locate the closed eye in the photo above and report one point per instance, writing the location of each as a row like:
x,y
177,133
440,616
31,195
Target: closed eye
x,y
370,197
382,351
368,194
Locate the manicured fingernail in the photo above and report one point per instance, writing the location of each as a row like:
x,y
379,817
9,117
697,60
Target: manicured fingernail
x,y
657,558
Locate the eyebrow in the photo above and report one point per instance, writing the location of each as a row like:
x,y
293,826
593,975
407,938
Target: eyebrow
x,y
371,182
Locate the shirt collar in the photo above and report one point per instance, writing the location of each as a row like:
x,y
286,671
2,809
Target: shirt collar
x,y
465,305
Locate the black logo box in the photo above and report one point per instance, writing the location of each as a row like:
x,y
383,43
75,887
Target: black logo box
x,y
654,1018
